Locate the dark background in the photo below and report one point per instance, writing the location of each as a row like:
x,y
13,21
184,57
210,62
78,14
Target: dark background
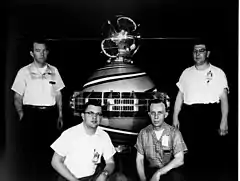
x,y
76,59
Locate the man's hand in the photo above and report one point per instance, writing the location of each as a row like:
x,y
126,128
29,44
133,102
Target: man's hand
x,y
59,123
20,114
223,128
101,177
176,123
156,176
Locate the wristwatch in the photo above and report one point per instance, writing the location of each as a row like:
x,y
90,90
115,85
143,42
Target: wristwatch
x,y
105,173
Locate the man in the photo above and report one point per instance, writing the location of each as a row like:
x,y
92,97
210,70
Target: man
x,y
201,110
161,145
38,102
78,151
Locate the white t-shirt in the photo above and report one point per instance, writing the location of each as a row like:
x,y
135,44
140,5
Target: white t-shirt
x,y
81,151
202,86
38,88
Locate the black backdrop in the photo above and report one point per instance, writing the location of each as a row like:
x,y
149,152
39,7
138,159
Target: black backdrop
x,y
163,60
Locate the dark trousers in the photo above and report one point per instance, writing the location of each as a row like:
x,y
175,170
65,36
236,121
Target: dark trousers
x,y
93,177
173,175
199,124
38,131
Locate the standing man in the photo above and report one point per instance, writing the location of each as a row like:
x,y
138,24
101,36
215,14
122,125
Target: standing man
x,y
160,147
78,151
38,102
201,111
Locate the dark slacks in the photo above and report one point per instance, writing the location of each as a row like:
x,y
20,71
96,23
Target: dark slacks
x,y
38,131
199,124
93,177
173,175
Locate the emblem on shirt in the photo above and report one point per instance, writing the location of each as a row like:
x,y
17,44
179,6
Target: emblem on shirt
x,y
96,156
209,76
165,140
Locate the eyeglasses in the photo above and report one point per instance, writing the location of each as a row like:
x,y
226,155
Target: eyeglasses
x,y
201,50
153,114
92,114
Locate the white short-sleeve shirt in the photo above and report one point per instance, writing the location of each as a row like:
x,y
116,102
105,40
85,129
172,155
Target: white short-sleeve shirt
x,y
202,86
36,87
83,152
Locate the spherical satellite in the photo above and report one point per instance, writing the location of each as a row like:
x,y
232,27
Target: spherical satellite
x,y
123,88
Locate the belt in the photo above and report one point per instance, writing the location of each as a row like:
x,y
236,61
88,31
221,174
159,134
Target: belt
x,y
38,107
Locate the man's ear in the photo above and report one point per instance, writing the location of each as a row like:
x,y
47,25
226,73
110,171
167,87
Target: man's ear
x,y
31,53
208,53
82,114
166,114
149,114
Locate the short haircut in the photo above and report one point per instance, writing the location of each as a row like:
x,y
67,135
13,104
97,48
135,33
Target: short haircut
x,y
202,41
93,102
39,40
158,101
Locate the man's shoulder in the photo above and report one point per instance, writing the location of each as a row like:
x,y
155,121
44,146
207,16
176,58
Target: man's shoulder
x,y
146,129
25,68
52,67
102,132
216,69
191,68
169,127
188,70
73,130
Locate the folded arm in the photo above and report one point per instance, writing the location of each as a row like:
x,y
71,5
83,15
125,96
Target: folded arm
x,y
140,166
176,162
60,167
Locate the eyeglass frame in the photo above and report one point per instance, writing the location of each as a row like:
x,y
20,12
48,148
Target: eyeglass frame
x,y
153,114
201,50
92,114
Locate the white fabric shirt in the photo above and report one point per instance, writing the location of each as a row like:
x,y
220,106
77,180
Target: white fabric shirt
x,y
202,86
79,149
36,87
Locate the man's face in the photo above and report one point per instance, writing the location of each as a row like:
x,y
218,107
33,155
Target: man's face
x,y
157,114
39,53
92,116
200,54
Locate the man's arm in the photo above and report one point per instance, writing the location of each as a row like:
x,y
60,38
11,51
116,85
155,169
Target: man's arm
x,y
109,168
110,165
177,108
176,162
18,102
59,103
59,106
59,166
140,166
224,110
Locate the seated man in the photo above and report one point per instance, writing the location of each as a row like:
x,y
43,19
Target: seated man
x,y
78,151
161,146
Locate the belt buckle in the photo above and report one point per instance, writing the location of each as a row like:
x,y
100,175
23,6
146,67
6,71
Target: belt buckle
x,y
42,107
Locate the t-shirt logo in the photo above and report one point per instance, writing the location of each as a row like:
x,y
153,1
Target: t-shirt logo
x,y
209,76
96,156
165,140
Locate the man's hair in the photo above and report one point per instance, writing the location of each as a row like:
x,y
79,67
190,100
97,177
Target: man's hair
x,y
93,102
39,40
202,42
158,101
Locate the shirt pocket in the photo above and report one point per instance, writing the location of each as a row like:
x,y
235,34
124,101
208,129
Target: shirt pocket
x,y
167,155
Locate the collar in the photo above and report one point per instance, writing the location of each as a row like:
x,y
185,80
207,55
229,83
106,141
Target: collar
x,y
207,69
97,133
34,69
164,126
